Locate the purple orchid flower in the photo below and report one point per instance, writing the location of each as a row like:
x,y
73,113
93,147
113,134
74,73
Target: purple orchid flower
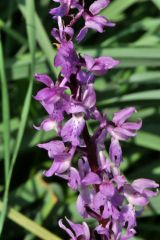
x,y
97,6
60,154
52,97
49,124
76,231
120,130
104,194
72,129
64,33
63,9
138,193
67,59
94,21
99,66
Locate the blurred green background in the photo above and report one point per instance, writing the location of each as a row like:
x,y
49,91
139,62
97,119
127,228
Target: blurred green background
x,y
36,203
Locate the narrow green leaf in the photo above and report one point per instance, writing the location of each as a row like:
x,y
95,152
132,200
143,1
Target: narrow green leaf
x,y
118,7
148,140
153,208
5,114
11,32
149,77
42,37
140,96
19,68
29,225
126,53
45,44
31,28
149,170
146,40
30,24
157,3
129,57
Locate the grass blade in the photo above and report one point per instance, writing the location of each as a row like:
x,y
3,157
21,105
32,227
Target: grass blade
x,y
149,77
29,5
45,44
29,225
42,38
129,57
18,69
126,53
157,3
153,143
132,97
11,32
118,7
5,114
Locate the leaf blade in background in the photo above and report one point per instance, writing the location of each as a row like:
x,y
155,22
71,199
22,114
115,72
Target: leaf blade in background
x,y
117,7
148,140
42,38
157,3
128,57
14,34
5,114
133,97
29,225
149,77
30,24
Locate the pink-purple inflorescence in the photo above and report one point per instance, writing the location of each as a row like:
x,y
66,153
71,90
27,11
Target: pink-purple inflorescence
x,y
104,193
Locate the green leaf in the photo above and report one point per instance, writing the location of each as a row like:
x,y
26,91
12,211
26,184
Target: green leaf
x,y
42,37
5,114
29,225
11,32
149,77
117,7
147,40
157,3
30,24
35,188
129,57
153,208
134,53
148,140
18,69
148,170
31,28
133,97
45,44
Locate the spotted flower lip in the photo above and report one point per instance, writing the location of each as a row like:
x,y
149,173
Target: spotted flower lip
x,y
76,231
72,130
60,154
99,66
78,154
